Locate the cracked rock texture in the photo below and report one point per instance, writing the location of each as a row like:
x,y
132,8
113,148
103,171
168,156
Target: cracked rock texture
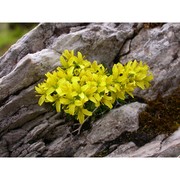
x,y
160,49
161,146
28,130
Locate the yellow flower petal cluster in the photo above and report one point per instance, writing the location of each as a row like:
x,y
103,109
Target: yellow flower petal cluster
x,y
78,82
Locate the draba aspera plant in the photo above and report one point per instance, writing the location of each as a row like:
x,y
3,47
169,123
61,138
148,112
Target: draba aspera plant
x,y
79,87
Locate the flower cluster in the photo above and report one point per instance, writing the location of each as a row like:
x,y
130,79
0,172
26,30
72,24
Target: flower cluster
x,y
79,82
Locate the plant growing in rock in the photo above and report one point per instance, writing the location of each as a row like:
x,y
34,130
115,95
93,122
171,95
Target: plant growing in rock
x,y
79,87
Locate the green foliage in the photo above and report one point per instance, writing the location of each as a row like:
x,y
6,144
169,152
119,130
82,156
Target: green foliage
x,y
9,35
79,87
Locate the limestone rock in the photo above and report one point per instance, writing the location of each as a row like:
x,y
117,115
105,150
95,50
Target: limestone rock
x,y
115,123
94,41
36,40
123,149
28,130
62,147
110,127
159,48
161,146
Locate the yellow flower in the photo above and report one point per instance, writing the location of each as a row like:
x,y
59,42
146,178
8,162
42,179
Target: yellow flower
x,y
107,100
79,83
45,93
81,112
67,58
80,62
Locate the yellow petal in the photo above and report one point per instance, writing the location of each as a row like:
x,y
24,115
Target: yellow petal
x,y
107,97
108,103
64,101
78,103
134,64
75,79
59,91
111,88
76,86
91,90
79,55
128,64
147,84
117,86
71,109
100,89
38,90
86,112
93,99
130,93
70,71
48,74
81,117
140,84
85,87
140,76
149,78
97,96
50,90
50,98
121,95
68,54
120,68
58,106
63,62
41,100
74,93
115,71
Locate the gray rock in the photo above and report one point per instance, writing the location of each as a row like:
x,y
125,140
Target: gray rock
x,y
14,136
4,152
36,40
94,40
161,146
148,150
115,123
88,150
171,146
28,130
28,71
37,146
20,151
62,147
123,149
111,126
159,48
36,132
19,109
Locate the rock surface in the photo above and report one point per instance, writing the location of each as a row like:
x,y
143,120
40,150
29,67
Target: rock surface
x,y
28,130
159,48
110,127
161,146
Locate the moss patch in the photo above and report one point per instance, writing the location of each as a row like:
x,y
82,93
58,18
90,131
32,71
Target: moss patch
x,y
161,116
152,25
